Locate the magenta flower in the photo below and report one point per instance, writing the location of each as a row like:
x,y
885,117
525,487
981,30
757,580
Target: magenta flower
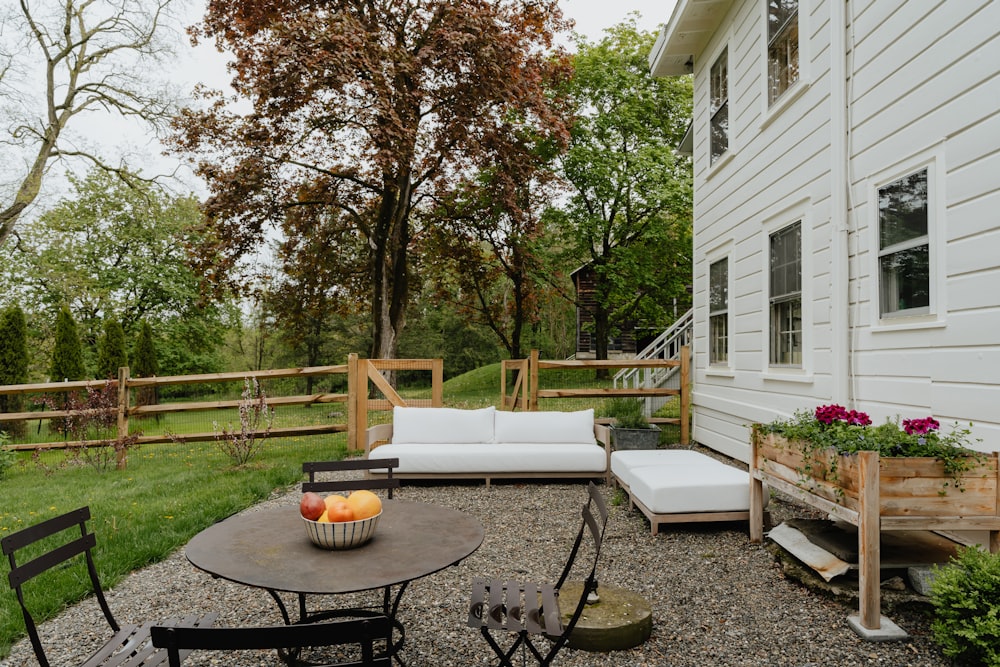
x,y
827,414
920,426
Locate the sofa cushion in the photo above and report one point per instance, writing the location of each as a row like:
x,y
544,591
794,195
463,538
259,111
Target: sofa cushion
x,y
684,488
549,427
624,462
442,425
455,459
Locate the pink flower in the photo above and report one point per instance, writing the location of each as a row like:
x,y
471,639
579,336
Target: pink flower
x,y
827,414
920,426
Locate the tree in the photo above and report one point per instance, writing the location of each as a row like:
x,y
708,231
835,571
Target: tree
x,y
144,364
13,363
77,56
67,354
129,246
111,352
482,254
628,213
365,111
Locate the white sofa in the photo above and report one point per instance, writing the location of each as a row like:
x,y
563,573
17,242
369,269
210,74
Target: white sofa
x,y
680,485
489,444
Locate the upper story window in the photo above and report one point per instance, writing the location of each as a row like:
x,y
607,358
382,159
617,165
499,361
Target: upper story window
x,y
904,246
719,106
786,296
782,46
718,312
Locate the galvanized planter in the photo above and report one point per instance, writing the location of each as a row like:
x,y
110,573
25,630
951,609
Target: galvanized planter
x,y
635,438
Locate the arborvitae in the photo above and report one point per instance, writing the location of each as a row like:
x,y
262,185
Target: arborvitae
x,y
67,354
111,351
144,364
13,364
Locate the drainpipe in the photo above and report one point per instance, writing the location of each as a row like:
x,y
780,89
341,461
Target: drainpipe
x,y
839,185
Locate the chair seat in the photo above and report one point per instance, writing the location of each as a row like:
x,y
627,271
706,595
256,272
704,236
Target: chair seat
x,y
131,645
515,606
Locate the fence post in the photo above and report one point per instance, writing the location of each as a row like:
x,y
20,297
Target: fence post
x,y
685,395
437,382
353,437
533,381
123,400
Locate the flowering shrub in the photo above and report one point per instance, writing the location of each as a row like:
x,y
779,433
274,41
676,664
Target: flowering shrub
x,y
849,431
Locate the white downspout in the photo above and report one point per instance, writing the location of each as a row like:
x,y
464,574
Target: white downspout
x,y
839,185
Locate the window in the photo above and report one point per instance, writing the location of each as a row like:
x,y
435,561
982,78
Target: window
x,y
782,46
786,296
719,111
904,247
718,312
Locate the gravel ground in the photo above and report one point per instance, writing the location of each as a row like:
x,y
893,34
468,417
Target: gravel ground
x,y
716,598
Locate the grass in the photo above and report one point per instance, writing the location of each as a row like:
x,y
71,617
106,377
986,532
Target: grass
x,y
171,492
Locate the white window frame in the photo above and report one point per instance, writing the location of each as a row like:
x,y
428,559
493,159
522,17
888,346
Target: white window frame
x,y
801,213
726,313
931,159
772,109
713,110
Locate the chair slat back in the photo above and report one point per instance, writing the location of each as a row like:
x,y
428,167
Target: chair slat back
x,y
362,631
331,486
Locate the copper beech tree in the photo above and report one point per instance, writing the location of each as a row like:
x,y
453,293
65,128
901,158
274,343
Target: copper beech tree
x,y
357,115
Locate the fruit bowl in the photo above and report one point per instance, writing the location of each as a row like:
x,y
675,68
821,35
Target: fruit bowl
x,y
341,534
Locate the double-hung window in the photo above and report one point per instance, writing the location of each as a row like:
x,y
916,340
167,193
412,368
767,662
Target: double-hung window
x,y
719,111
786,296
718,312
904,246
782,47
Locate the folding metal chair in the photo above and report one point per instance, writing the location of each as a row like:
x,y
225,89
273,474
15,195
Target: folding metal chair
x,y
363,632
129,646
531,609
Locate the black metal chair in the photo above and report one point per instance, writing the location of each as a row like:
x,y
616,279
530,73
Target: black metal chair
x,y
129,646
332,486
531,609
363,632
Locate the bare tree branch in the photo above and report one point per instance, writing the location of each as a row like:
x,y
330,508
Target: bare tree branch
x,y
94,55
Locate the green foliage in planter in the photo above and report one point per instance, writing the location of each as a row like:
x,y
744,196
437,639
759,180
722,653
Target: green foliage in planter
x,y
627,412
966,599
847,432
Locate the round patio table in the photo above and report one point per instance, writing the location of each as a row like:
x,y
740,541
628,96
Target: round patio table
x,y
269,549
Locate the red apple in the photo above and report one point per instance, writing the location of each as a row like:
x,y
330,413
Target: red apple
x,y
312,505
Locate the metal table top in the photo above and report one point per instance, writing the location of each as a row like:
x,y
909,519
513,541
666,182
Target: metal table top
x,y
269,549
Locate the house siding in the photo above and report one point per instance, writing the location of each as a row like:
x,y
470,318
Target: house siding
x,y
922,86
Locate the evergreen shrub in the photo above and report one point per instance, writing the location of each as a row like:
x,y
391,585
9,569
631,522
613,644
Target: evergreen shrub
x,y
966,599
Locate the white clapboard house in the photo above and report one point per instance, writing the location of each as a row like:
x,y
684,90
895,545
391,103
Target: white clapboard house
x,y
847,209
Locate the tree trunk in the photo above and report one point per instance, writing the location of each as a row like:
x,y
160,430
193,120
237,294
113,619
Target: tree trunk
x,y
390,281
602,331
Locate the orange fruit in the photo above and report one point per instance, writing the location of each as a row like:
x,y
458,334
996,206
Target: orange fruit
x,y
364,503
338,512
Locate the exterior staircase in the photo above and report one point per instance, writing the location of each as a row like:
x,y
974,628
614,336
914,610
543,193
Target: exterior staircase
x,y
665,346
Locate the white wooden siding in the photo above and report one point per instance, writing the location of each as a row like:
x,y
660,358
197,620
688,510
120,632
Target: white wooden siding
x,y
920,75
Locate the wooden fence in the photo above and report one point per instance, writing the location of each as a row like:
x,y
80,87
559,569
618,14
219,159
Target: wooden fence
x,y
359,372
525,392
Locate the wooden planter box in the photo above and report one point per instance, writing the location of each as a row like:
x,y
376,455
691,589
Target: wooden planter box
x,y
874,494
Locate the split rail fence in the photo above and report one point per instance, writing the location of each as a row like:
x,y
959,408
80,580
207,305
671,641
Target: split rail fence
x,y
525,389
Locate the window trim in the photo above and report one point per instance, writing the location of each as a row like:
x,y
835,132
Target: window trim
x,y
931,159
771,110
801,212
711,261
725,104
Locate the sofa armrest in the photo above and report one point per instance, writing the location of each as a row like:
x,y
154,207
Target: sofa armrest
x,y
602,433
377,433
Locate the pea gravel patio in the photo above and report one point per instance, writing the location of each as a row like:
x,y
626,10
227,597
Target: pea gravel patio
x,y
716,598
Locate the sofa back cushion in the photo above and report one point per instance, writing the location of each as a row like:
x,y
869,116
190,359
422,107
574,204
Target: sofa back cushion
x,y
545,427
442,425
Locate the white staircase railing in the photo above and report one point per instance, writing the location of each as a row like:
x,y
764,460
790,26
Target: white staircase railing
x,y
665,346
